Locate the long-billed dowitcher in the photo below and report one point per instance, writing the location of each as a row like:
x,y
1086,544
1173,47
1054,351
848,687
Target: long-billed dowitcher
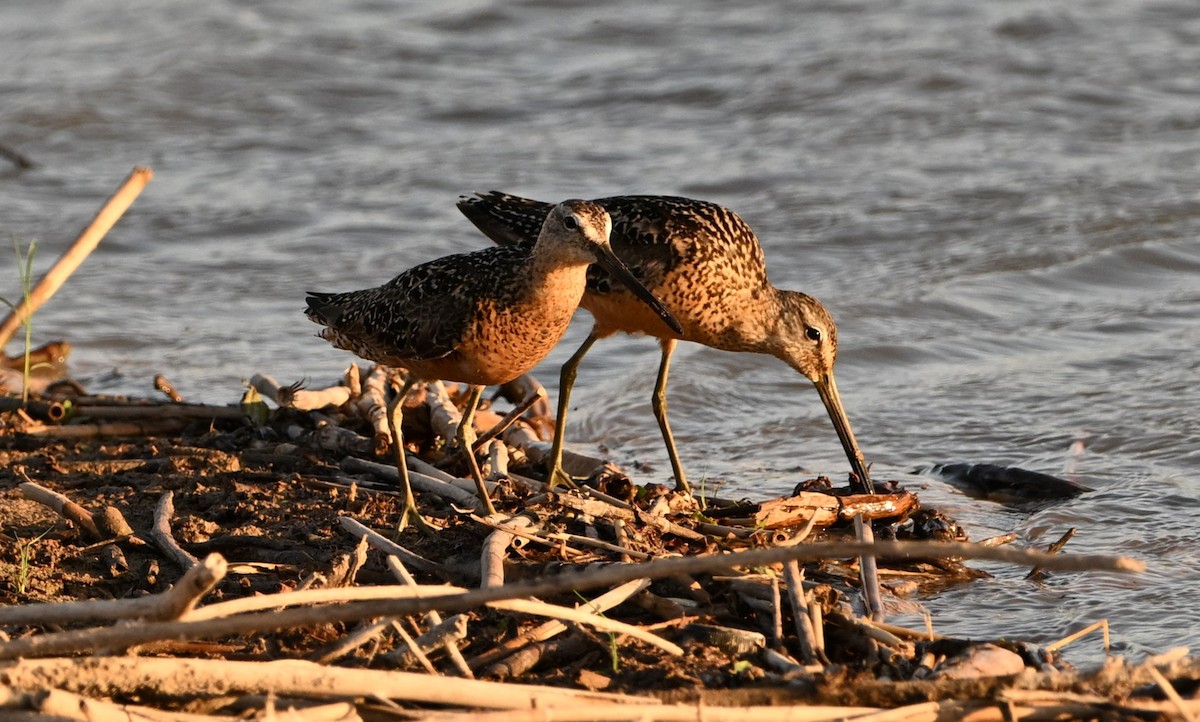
x,y
703,261
481,318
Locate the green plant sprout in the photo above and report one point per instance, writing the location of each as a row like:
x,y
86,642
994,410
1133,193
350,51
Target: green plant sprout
x,y
23,566
25,268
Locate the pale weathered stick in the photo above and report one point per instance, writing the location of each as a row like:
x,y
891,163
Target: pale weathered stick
x,y
372,403
161,533
398,570
516,412
868,570
73,641
578,465
699,712
106,430
387,546
63,505
546,630
804,630
56,704
364,634
160,411
171,604
524,606
112,676
105,219
491,559
448,633
421,482
294,397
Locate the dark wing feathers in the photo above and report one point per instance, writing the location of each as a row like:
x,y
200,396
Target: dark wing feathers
x,y
420,314
651,234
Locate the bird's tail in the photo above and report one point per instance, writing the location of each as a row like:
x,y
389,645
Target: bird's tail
x,y
506,219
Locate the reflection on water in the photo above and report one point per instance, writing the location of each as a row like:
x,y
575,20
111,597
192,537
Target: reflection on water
x,y
998,202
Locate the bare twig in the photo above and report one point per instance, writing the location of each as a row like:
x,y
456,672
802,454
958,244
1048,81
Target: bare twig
x,y
112,676
64,506
105,219
491,572
546,630
171,604
161,533
387,546
72,641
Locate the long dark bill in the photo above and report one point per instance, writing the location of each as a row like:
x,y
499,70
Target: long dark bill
x,y
608,259
837,413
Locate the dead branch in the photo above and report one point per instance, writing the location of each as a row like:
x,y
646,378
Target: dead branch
x,y
387,546
174,603
161,533
105,219
65,508
460,495
550,629
491,572
72,641
111,676
160,427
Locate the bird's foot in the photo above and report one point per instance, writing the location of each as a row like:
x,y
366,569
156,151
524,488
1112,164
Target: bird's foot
x,y
558,476
411,514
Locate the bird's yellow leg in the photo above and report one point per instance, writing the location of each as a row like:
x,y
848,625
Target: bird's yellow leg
x,y
566,380
395,412
466,440
659,402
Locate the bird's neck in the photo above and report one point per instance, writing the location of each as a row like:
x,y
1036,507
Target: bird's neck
x,y
556,280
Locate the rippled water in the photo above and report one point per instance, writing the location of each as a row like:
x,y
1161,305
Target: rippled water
x,y
999,202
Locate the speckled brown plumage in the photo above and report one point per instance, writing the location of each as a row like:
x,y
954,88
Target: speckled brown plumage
x,y
707,266
484,317
481,318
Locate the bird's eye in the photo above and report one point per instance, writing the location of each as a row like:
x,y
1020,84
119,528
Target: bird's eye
x,y
813,333
571,222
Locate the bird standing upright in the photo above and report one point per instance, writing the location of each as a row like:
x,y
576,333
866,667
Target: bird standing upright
x,y
481,318
707,266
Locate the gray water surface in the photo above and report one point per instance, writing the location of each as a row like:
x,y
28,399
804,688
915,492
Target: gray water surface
x,y
998,201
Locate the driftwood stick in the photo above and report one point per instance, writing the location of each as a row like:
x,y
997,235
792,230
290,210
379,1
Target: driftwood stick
x,y
161,533
538,394
491,572
546,630
450,642
63,505
523,437
868,570
366,633
53,705
420,481
77,640
699,712
161,411
497,460
446,634
84,244
163,385
342,595
413,648
112,676
524,659
387,546
1036,573
372,404
804,630
312,399
522,536
160,427
171,604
